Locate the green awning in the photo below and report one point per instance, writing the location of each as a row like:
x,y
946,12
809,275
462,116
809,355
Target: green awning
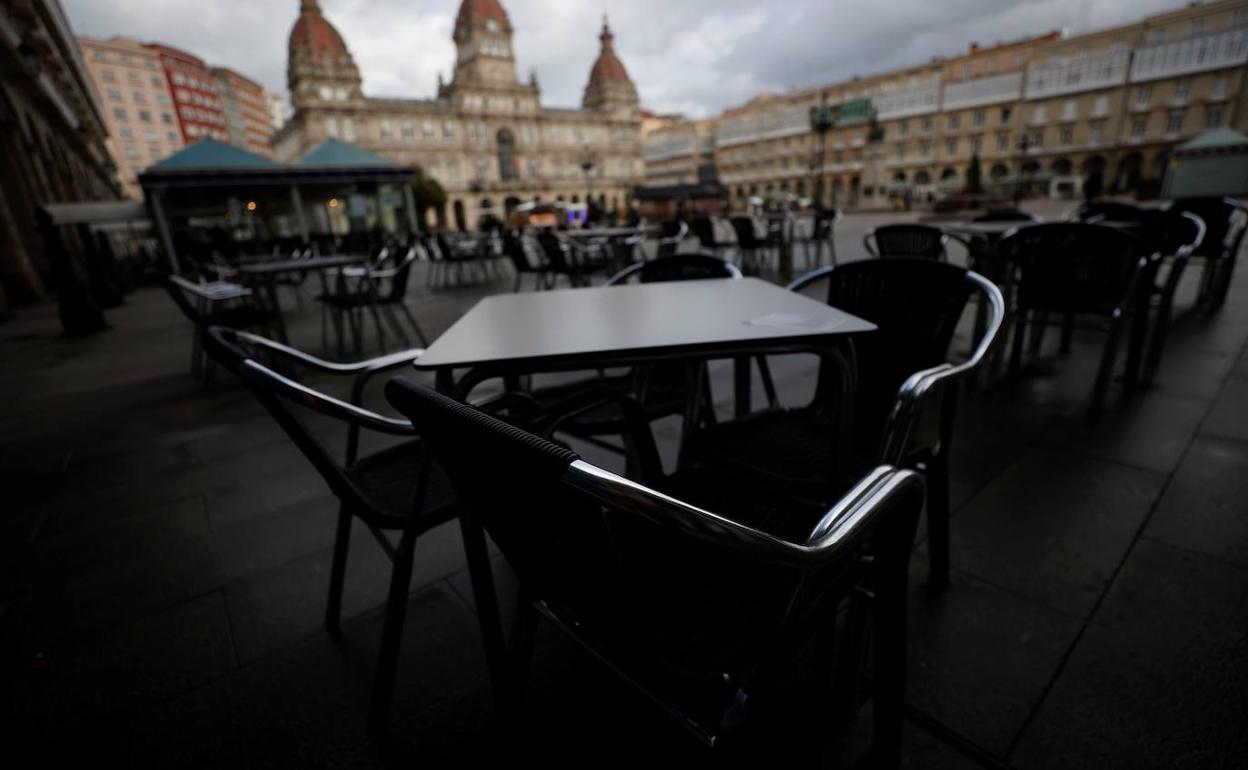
x,y
336,154
210,154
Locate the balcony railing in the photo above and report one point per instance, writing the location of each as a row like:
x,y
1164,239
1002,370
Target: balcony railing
x,y
902,104
981,91
1068,76
1195,54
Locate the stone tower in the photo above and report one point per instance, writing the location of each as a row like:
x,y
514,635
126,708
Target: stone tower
x,y
321,72
610,88
483,46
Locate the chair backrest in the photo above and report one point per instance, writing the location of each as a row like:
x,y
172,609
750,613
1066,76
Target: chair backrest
x,y
639,576
1006,215
1075,267
1225,224
555,251
916,305
744,228
673,230
670,235
174,285
1109,211
681,267
704,229
513,247
910,241
825,222
402,275
1169,232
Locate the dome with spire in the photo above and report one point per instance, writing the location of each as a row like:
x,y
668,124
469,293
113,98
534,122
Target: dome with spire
x,y
313,34
474,13
608,68
610,88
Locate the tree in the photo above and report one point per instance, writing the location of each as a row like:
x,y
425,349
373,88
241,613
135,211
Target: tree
x,y
974,177
427,194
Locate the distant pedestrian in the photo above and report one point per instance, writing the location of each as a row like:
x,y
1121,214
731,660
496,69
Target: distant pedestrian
x,y
1093,185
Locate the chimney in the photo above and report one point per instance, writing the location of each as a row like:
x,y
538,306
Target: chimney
x,y
974,48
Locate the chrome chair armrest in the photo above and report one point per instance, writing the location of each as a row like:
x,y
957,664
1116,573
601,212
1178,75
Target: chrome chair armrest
x,y
372,365
838,531
321,403
866,242
810,278
913,395
638,439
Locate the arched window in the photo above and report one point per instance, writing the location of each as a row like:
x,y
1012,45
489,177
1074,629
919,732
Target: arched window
x,y
506,155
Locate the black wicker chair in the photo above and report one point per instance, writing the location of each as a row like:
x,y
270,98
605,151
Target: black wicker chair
x,y
1226,222
216,303
703,229
1093,212
753,251
395,489
917,305
1175,236
1006,215
377,291
705,615
562,261
1071,269
523,260
909,241
670,236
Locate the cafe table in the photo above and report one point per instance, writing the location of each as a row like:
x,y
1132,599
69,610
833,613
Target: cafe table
x,y
513,335
266,273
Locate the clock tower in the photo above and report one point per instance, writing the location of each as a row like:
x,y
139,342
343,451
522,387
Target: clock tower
x,y
483,45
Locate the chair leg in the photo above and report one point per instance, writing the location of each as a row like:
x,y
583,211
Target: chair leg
x,y
357,332
937,477
849,675
337,575
1020,332
524,634
1224,281
391,635
420,335
1039,323
339,333
1157,342
1106,371
482,578
889,648
1068,332
381,331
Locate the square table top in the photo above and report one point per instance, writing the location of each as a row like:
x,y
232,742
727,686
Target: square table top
x,y
274,267
636,322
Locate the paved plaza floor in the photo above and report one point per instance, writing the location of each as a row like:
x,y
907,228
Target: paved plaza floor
x,y
165,550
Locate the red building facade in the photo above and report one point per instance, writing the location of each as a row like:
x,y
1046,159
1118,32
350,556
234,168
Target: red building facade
x,y
196,96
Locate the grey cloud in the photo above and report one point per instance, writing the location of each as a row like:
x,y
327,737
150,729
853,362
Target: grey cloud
x,y
695,56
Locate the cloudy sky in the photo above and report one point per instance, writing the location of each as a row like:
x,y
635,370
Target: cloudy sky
x,y
691,56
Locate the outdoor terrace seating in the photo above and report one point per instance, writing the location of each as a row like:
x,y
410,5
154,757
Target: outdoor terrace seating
x,y
175,543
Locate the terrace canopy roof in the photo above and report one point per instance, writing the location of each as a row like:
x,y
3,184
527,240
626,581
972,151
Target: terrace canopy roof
x,y
208,175
210,163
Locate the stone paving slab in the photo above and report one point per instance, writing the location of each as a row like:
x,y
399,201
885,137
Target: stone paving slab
x,y
164,561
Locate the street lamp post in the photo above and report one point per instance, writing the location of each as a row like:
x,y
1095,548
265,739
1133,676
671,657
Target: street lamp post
x,y
1024,144
822,119
589,159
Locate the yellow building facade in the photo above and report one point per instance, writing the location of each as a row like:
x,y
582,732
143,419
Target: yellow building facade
x,y
1044,113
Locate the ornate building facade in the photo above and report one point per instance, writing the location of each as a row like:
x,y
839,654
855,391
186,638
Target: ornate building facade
x,y
485,136
52,140
1044,113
